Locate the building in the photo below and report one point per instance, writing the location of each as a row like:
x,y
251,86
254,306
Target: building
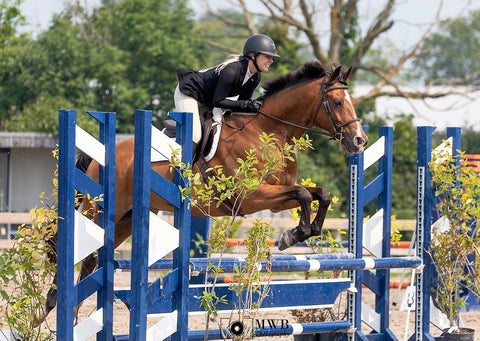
x,y
27,168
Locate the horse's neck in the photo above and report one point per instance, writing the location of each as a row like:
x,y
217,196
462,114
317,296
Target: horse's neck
x,y
290,106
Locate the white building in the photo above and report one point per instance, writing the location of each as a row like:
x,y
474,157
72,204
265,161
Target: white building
x,y
26,169
449,111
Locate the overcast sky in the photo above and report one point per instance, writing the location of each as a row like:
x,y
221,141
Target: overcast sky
x,y
408,13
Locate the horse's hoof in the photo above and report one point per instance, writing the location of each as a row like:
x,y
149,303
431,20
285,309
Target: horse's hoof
x,y
286,240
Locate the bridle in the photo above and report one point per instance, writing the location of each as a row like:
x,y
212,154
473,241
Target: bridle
x,y
337,135
337,128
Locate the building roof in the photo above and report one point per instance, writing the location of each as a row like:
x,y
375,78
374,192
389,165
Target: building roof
x,y
27,140
36,140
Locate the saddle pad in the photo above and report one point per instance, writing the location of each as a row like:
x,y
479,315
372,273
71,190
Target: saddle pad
x,y
216,137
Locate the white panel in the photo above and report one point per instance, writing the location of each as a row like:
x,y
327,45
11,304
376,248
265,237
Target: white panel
x,y
373,234
163,238
437,318
89,145
162,146
88,327
371,317
374,152
442,225
88,237
7,335
164,328
445,146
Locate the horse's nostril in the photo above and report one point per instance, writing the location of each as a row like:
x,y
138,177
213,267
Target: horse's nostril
x,y
359,141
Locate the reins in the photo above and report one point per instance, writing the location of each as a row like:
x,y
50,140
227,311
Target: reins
x,y
337,135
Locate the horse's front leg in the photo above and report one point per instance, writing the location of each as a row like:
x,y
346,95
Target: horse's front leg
x,y
283,197
304,228
324,199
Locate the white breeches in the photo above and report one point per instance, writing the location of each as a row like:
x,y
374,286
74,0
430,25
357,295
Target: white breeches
x,y
184,103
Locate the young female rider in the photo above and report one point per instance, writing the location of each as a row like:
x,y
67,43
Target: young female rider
x,y
239,75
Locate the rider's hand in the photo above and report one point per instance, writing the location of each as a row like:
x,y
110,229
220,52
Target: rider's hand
x,y
254,105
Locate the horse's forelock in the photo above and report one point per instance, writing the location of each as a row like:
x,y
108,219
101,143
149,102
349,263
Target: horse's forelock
x,y
309,71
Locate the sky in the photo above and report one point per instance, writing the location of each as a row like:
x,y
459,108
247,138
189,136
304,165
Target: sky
x,y
409,14
411,17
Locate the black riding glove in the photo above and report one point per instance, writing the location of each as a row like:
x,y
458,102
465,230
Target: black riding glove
x,y
254,105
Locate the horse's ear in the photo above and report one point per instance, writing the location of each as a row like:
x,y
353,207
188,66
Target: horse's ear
x,y
347,73
335,74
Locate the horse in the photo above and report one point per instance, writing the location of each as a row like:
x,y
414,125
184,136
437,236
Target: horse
x,y
293,104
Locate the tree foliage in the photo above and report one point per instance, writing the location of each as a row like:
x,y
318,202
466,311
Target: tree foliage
x,y
452,54
122,56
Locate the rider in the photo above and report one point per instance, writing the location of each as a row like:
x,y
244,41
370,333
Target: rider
x,y
238,75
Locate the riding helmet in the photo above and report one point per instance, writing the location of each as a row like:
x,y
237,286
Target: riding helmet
x,y
260,43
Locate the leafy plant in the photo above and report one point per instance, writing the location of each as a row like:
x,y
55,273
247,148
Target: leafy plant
x,y
26,271
455,238
250,287
28,268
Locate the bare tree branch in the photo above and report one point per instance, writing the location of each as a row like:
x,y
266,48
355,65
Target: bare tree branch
x,y
382,24
301,17
394,70
339,21
248,17
222,47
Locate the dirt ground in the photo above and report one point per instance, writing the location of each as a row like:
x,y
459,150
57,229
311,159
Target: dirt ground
x,y
397,321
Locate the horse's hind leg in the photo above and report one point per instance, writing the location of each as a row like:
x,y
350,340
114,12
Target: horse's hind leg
x,y
51,298
324,199
50,303
88,265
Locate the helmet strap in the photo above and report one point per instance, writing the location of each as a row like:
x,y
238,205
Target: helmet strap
x,y
254,60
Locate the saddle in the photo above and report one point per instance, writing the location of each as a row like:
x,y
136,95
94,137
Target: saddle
x,y
208,143
204,150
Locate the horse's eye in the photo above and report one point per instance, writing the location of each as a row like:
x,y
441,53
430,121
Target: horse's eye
x,y
338,102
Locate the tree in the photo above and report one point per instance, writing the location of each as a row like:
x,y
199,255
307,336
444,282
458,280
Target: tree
x,y
156,35
404,179
120,57
10,20
343,41
452,55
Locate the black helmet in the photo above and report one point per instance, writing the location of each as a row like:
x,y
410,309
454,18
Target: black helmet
x,y
260,43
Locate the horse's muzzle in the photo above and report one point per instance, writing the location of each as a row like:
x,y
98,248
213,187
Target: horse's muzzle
x,y
355,144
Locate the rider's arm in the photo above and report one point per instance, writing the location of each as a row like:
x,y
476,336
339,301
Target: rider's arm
x,y
228,77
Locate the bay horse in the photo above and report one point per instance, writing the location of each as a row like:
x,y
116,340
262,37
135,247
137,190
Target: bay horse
x,y
294,103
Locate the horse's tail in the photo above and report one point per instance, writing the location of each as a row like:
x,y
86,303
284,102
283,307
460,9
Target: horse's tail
x,y
83,161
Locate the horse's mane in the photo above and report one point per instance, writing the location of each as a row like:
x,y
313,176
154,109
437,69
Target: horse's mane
x,y
309,71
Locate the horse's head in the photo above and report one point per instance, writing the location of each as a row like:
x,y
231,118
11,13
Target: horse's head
x,y
298,92
339,117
